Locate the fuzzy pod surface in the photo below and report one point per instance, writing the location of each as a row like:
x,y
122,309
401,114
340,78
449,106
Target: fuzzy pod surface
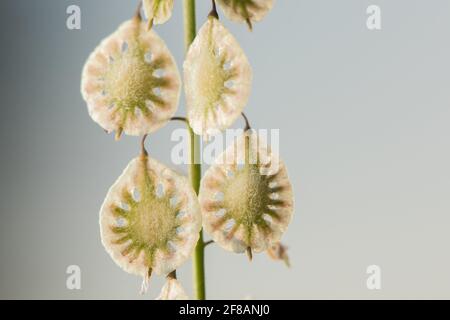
x,y
130,82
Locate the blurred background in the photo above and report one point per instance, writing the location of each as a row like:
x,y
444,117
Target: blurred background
x,y
364,127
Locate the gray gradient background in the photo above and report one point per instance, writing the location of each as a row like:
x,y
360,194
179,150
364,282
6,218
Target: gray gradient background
x,y
364,119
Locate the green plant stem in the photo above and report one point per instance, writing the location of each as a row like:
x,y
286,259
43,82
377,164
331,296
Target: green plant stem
x,y
198,261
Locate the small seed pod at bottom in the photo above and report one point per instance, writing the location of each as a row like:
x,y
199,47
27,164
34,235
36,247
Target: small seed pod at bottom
x,y
150,219
278,252
246,197
172,290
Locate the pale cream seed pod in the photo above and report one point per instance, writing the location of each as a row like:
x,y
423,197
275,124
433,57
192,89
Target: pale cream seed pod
x,y
217,79
150,220
172,290
130,82
246,197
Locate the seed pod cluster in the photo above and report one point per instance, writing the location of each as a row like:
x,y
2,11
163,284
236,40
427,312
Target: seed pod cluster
x,y
151,217
245,208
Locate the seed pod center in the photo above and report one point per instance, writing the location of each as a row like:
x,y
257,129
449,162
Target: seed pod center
x,y
210,74
128,80
156,229
244,195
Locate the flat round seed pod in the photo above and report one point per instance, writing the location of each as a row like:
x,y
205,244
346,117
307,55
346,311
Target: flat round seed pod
x,y
246,10
217,78
172,290
158,11
246,197
150,219
131,82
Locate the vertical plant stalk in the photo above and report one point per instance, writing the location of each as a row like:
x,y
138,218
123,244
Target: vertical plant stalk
x,y
198,262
